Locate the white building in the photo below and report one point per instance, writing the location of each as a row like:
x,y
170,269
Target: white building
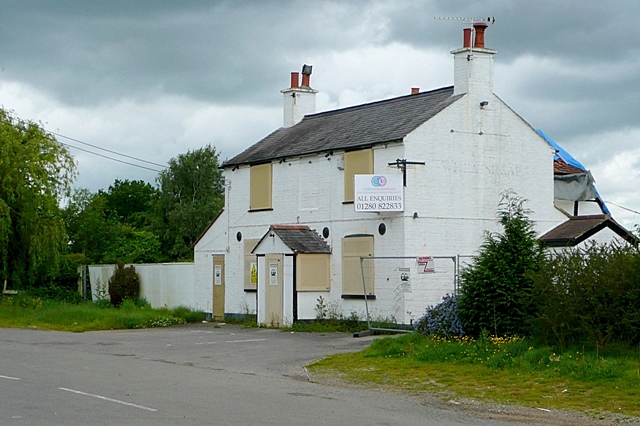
x,y
290,236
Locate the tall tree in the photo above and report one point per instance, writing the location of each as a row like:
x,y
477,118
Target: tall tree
x,y
191,194
131,201
35,173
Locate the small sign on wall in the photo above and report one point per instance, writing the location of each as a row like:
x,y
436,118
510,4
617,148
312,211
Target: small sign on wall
x,y
405,279
218,275
273,274
253,271
425,265
378,193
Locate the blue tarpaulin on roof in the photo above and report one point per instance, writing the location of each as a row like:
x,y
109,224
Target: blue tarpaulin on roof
x,y
568,158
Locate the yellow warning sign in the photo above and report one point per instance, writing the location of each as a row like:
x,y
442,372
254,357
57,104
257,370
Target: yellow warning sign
x,y
254,273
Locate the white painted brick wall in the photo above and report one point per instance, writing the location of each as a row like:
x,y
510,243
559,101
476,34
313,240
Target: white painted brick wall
x,y
297,103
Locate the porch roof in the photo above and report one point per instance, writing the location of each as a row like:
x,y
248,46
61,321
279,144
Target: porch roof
x,y
299,238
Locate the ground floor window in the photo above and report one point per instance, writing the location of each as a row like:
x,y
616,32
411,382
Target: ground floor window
x,y
312,272
353,247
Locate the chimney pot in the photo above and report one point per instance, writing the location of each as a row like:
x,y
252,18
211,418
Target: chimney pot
x,y
306,75
479,40
295,80
415,90
466,37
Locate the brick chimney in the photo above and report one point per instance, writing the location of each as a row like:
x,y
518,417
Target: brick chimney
x,y
299,99
473,63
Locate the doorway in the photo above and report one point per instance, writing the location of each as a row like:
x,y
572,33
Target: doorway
x,y
218,287
273,289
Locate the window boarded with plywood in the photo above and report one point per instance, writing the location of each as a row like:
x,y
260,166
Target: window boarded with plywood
x,y
260,196
352,249
312,272
250,265
356,163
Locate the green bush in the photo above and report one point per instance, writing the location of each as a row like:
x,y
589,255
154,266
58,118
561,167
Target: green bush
x,y
124,284
588,296
496,291
62,284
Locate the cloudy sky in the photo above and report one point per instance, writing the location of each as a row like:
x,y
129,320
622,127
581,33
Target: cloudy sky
x,y
153,79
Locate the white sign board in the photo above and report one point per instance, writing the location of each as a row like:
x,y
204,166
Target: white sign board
x,y
378,193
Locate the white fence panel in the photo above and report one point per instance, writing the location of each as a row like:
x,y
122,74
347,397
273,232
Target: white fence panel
x,y
161,284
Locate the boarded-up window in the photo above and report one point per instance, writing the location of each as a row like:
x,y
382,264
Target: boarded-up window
x,y
312,272
356,163
250,265
352,249
260,197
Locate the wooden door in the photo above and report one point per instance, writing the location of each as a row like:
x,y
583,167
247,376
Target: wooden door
x,y
218,287
273,290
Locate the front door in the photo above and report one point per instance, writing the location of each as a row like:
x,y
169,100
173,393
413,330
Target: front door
x,y
218,287
273,290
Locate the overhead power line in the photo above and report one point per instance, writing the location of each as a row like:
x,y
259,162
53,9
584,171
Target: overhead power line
x,y
111,158
109,151
623,208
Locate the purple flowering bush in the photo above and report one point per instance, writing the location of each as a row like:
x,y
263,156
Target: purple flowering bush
x,y
442,319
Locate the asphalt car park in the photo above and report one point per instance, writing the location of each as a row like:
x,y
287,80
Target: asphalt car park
x,y
195,374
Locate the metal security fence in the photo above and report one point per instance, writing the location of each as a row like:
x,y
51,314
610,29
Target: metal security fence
x,y
398,289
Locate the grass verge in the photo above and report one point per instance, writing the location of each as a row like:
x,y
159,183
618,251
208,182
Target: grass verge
x,y
505,371
28,312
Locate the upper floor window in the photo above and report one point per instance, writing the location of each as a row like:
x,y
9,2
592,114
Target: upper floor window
x,y
260,192
356,163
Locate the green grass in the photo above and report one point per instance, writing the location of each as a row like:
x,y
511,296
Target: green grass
x,y
507,371
23,311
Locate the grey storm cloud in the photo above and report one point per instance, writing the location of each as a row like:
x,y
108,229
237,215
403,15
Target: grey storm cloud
x,y
85,52
155,78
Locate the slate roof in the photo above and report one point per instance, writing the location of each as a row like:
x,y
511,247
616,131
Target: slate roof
x,y
299,238
350,128
579,228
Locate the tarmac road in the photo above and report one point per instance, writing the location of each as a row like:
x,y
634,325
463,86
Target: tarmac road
x,y
191,375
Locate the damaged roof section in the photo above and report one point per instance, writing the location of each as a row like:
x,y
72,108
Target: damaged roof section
x,y
579,228
572,181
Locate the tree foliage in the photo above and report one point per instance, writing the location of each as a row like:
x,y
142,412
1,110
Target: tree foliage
x,y
190,195
496,290
130,201
99,232
35,173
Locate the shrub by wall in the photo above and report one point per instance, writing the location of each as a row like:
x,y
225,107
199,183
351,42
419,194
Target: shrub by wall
x,y
124,284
